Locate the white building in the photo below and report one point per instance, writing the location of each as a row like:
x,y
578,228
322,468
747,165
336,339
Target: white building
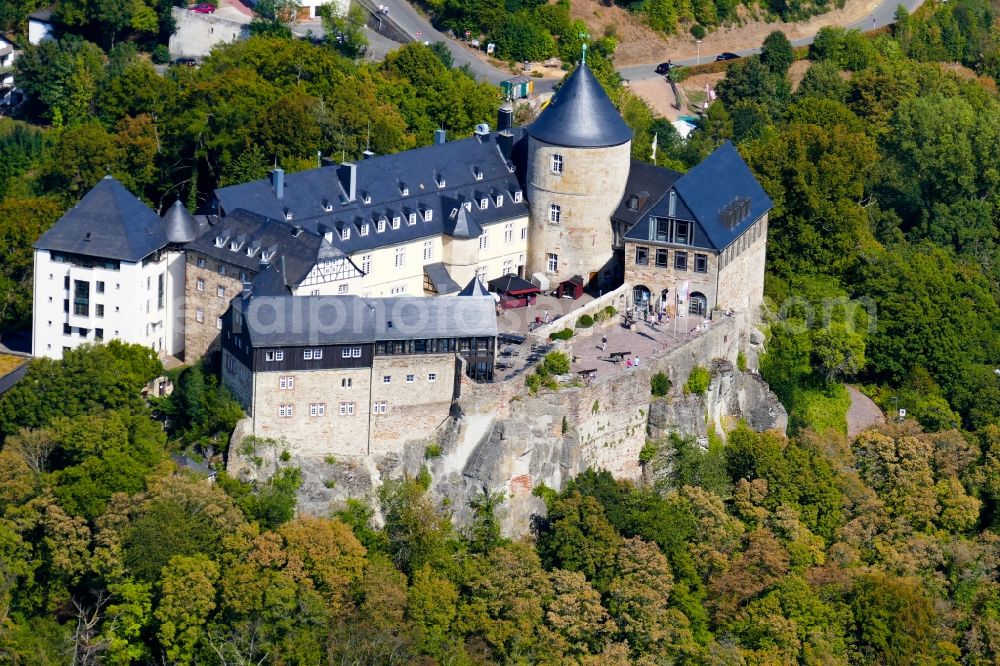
x,y
40,26
108,269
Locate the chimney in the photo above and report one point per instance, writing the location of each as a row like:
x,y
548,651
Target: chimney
x,y
482,131
505,117
278,182
367,154
347,173
672,208
505,140
440,136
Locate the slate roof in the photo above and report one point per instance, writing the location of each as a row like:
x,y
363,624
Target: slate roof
x,y
438,273
180,225
107,222
703,193
288,321
296,251
382,180
512,284
581,115
44,14
648,183
475,288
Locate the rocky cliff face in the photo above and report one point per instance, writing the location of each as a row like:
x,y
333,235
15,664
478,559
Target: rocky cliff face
x,y
500,438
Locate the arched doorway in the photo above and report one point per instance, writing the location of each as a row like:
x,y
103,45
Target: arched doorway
x,y
640,297
697,304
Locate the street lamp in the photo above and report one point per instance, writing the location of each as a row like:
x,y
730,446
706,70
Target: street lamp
x,y
699,51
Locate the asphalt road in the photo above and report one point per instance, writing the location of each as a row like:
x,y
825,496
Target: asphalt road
x,y
882,16
417,25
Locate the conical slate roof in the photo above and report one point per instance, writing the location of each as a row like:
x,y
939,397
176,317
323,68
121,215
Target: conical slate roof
x,y
581,115
474,288
179,224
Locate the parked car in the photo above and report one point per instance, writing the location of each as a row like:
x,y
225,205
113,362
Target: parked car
x,y
727,56
664,67
203,8
186,61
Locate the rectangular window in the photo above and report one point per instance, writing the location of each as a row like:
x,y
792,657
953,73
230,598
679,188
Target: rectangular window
x,y
98,333
387,379
642,256
284,411
160,290
286,383
199,316
555,213
341,288
317,409
432,377
222,269
366,264
400,257
524,233
508,232
317,354
279,355
100,310
100,287
67,329
428,250
428,215
410,379
220,291
218,323
379,407
483,241
517,196
552,262
682,232
681,261
508,267
81,298
701,263
661,258
347,409
346,382
201,285
355,352
557,164
201,263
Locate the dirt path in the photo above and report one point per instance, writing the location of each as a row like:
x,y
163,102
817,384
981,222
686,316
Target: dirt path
x,y
862,414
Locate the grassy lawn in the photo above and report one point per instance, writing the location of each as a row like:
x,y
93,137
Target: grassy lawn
x,y
9,362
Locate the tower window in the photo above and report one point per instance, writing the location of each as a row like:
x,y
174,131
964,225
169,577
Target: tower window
x,y
552,262
555,213
557,164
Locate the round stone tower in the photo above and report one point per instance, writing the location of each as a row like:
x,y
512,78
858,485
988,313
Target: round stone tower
x,y
578,164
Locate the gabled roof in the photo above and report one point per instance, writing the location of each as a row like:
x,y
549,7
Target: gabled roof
x,y
44,14
581,115
108,222
702,196
460,226
288,321
647,184
179,224
472,169
475,288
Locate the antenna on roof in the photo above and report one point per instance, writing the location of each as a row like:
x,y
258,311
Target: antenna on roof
x,y
584,36
368,140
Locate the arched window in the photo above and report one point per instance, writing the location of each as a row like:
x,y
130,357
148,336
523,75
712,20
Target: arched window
x,y
698,304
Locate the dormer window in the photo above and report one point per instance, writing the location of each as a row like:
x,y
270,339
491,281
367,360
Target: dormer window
x,y
368,198
327,206
517,196
510,166
220,241
364,229
266,256
288,214
234,246
483,203
395,223
454,213
478,173
428,215
499,200
468,206
252,250
412,218
633,202
380,227
441,181
345,233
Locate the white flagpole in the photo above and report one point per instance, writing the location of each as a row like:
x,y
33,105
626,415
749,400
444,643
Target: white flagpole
x,y
655,138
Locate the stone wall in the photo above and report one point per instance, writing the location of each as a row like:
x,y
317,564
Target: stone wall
x,y
741,281
619,298
414,409
588,190
202,337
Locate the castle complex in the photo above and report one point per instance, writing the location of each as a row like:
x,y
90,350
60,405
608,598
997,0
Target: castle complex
x,y
308,288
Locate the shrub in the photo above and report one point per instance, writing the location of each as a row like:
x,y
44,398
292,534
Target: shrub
x,y
585,321
564,334
648,453
533,382
698,381
285,456
432,451
610,311
330,460
660,384
565,425
556,363
741,362
329,483
161,55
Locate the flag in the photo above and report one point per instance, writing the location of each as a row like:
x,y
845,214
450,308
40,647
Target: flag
x,y
682,296
655,137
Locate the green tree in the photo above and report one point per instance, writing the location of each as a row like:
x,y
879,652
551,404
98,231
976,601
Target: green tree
x,y
776,53
187,597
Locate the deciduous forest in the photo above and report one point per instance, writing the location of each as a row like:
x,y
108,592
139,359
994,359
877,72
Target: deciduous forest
x,y
808,548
